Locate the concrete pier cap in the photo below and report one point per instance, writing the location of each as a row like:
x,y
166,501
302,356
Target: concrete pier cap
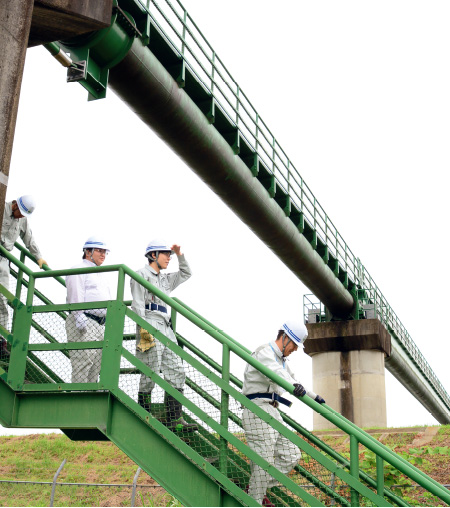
x,y
348,369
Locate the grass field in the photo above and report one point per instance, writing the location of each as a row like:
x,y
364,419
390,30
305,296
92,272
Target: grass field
x,y
37,457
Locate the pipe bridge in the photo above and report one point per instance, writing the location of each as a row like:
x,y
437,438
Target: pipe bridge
x,y
159,63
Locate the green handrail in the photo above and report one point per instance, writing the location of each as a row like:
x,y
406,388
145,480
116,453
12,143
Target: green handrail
x,y
326,411
230,345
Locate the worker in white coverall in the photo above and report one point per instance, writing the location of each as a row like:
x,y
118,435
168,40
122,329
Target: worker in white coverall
x,y
15,224
261,437
150,351
87,325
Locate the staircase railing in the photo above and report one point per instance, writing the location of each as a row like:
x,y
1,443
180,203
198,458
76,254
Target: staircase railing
x,y
39,362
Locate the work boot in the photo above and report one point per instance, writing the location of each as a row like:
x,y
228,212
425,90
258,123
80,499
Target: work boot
x,y
174,418
145,400
4,353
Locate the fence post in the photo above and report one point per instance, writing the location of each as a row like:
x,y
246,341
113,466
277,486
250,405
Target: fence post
x,y
135,479
333,479
52,497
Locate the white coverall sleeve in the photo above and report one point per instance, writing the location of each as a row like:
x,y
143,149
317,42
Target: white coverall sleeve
x,y
138,294
267,357
183,274
75,285
29,241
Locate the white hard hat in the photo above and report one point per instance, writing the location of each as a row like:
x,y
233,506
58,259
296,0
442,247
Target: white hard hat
x,y
94,242
26,205
296,330
157,245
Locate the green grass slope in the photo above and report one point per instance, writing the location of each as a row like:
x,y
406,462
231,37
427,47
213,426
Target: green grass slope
x,y
37,457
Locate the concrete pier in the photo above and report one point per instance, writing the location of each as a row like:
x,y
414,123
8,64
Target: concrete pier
x,y
25,23
348,369
15,22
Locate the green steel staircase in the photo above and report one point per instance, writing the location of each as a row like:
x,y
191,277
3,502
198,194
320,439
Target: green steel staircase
x,y
205,468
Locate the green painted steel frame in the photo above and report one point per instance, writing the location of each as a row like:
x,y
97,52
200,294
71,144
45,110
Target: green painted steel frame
x,y
113,350
224,434
378,483
172,459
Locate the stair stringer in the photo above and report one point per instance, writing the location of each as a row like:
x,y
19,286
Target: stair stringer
x,y
173,464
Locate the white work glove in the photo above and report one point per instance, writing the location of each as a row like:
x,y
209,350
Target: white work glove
x,y
81,322
41,262
147,341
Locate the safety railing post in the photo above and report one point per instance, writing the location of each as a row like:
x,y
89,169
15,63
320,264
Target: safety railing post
x,y
224,405
20,277
354,468
146,32
380,475
213,69
120,284
112,349
30,293
173,320
257,132
19,348
288,178
183,37
19,285
237,105
273,156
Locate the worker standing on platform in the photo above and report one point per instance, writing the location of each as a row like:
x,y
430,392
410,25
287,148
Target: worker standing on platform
x,y
261,437
15,224
150,351
87,325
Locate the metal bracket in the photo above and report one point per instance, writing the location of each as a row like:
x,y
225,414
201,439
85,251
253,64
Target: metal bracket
x,y
77,71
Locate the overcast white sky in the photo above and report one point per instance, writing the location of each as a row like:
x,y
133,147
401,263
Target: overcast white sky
x,y
357,94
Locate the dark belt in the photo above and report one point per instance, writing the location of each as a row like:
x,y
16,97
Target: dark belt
x,y
274,397
100,320
153,306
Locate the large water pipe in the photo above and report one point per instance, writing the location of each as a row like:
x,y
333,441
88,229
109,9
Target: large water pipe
x,y
404,370
142,82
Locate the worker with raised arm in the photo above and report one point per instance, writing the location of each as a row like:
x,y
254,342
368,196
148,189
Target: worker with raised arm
x,y
15,223
150,351
261,437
